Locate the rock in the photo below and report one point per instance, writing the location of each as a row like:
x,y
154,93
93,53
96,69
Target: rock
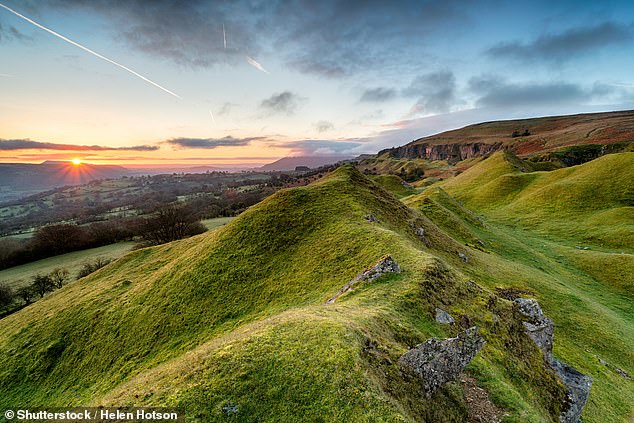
x,y
443,317
230,409
481,243
420,232
578,386
453,153
541,330
539,327
605,363
463,257
381,267
622,373
437,362
370,218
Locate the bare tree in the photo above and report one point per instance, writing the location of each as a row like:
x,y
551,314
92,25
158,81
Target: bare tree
x,y
26,294
170,223
58,277
42,284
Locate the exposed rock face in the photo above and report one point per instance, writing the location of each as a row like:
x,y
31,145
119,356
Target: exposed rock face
x,y
578,386
541,330
437,361
463,257
539,327
453,153
383,266
443,317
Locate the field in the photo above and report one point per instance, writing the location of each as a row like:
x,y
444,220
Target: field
x,y
18,276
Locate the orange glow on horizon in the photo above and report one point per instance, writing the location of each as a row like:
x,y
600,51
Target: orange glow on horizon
x,y
76,161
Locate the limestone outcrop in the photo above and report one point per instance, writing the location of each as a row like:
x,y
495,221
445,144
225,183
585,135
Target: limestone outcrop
x,y
438,361
381,267
541,330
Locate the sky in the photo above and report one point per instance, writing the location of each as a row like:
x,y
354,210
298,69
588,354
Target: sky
x,y
201,82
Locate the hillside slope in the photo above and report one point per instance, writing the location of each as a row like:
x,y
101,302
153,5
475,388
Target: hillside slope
x,y
574,138
236,319
597,196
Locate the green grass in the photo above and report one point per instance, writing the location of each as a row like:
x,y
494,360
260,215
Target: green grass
x,y
18,276
216,222
237,316
394,185
591,203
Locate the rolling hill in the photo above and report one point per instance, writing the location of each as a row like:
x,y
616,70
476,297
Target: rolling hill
x,y
234,324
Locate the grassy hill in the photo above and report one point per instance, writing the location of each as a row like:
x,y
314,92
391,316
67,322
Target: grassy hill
x,y
237,317
527,137
590,203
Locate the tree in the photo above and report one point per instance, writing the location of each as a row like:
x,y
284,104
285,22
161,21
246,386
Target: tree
x,y
42,284
91,267
58,277
60,239
170,223
26,294
6,296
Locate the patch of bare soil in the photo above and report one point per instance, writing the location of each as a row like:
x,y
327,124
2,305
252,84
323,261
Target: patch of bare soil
x,y
481,409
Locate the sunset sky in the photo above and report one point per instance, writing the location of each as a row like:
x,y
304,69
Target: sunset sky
x,y
295,77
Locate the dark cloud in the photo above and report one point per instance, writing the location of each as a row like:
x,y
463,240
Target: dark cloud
x,y
284,103
436,92
330,38
378,95
565,45
188,33
210,143
26,144
496,92
12,33
324,126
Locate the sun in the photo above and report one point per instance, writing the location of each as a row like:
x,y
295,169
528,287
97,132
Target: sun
x,y
76,162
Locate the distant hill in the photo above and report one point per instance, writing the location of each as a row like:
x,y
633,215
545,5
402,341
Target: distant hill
x,y
21,179
597,132
286,164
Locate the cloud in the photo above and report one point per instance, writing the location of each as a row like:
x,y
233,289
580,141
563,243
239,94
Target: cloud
x,y
436,92
12,33
330,38
226,108
496,92
284,103
211,143
324,125
378,95
27,144
564,45
319,147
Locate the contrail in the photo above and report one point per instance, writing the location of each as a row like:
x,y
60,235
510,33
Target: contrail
x,y
256,65
6,75
224,35
94,53
212,116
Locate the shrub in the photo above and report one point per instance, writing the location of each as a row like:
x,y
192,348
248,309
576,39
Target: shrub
x,y
6,296
92,266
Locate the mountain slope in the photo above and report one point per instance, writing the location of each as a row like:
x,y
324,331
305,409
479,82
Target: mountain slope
x,y
236,319
608,132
